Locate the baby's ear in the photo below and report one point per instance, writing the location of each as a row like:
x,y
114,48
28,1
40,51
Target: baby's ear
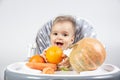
x,y
72,40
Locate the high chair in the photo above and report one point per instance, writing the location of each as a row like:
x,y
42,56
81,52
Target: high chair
x,y
18,70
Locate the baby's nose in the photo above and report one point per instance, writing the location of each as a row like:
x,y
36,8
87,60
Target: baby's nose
x,y
59,37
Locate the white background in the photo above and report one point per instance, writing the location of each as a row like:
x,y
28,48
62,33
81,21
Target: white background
x,y
21,19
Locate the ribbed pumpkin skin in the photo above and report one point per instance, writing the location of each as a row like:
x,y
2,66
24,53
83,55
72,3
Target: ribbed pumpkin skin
x,y
87,54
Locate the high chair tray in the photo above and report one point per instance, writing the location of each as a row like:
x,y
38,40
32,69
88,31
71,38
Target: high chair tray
x,y
19,71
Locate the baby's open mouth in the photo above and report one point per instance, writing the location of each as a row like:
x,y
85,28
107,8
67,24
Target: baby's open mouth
x,y
59,43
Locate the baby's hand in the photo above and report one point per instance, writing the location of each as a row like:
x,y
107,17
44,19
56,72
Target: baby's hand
x,y
65,62
43,55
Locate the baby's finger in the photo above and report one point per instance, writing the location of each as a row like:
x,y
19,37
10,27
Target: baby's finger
x,y
64,55
43,55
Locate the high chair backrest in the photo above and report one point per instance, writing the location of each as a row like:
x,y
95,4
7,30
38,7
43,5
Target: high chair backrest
x,y
83,29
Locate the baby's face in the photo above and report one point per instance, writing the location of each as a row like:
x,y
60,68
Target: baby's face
x,y
62,34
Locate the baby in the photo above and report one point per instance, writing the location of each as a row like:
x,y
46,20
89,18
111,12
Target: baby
x,y
63,32
62,35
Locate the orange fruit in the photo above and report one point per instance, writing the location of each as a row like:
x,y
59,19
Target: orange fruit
x,y
54,54
37,58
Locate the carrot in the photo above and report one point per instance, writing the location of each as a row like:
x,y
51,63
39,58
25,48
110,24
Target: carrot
x,y
41,66
48,70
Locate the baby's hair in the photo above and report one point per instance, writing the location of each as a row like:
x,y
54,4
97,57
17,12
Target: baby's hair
x,y
65,18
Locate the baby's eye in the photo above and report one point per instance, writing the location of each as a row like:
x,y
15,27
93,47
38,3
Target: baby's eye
x,y
55,34
65,34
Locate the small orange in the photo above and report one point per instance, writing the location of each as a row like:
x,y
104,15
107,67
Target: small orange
x,y
54,54
37,58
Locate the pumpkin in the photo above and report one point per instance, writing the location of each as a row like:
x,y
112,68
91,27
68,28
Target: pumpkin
x,y
87,54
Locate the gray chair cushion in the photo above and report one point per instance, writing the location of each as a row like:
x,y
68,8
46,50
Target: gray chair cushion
x,y
83,29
